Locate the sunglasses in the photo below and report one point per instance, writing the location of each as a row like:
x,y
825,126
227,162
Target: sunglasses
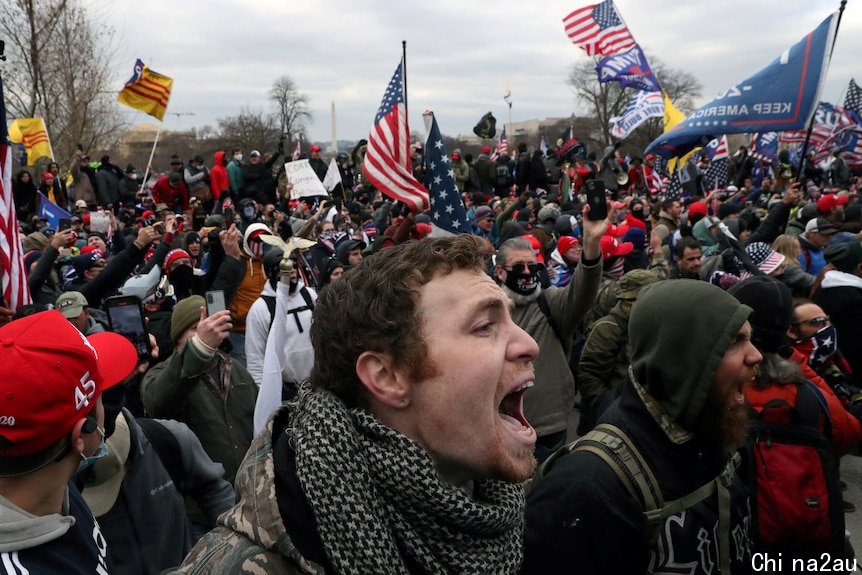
x,y
814,321
520,268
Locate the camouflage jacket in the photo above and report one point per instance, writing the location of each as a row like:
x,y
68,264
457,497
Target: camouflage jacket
x,y
608,289
250,538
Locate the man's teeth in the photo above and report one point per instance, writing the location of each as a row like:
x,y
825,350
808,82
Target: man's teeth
x,y
527,385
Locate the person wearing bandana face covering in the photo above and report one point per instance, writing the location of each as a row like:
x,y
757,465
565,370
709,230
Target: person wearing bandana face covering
x,y
249,287
548,403
815,344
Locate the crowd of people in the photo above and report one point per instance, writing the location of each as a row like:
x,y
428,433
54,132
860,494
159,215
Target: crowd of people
x,y
373,400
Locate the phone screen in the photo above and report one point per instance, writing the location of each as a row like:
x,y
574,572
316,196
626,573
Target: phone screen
x,y
127,319
215,301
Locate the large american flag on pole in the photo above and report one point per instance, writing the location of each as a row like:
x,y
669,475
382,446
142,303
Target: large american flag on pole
x,y
387,158
448,216
13,280
598,29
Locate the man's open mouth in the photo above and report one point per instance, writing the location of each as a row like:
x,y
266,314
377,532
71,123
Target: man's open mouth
x,y
511,411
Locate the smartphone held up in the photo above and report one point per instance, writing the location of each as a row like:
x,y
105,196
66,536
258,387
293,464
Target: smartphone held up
x,y
597,200
126,318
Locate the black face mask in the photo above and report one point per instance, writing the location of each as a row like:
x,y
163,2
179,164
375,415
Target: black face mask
x,y
181,278
522,284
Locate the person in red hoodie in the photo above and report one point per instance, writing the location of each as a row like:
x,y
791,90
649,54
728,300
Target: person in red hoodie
x,y
783,369
171,190
219,183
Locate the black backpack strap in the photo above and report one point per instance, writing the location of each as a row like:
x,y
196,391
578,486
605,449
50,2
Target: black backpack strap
x,y
270,303
307,297
167,448
546,311
812,407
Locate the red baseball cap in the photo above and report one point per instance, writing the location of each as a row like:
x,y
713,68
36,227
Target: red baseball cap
x,y
829,201
537,247
49,383
697,208
612,247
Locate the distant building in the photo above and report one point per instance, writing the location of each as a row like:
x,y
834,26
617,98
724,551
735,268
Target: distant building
x,y
527,129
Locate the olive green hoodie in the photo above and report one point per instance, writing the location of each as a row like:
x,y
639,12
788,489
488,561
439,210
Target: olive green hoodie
x,y
679,331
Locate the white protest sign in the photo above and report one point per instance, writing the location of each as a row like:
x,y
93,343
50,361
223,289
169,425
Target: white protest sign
x,y
332,177
303,179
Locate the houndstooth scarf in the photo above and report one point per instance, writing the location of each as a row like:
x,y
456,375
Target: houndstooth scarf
x,y
378,499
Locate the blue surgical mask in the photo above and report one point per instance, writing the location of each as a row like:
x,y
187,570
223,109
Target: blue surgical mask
x,y
101,451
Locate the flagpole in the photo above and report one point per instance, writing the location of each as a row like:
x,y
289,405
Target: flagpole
x,y
404,76
150,161
814,115
508,153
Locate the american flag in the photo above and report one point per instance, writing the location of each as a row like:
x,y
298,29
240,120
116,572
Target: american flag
x,y
502,145
716,174
853,100
598,30
448,216
387,159
834,127
13,279
674,188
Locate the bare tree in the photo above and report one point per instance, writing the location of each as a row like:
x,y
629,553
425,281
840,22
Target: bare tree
x,y
248,130
59,63
291,108
604,101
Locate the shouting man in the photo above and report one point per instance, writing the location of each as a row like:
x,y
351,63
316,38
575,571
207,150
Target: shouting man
x,y
405,452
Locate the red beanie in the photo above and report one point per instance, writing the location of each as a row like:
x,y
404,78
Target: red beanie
x,y
565,243
175,255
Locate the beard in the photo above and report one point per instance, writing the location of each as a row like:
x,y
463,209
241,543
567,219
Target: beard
x,y
724,424
512,467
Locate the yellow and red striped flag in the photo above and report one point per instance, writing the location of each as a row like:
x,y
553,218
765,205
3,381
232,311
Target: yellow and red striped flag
x,y
32,133
147,91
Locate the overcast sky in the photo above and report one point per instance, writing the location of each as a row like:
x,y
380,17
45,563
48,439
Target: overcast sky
x,y
225,54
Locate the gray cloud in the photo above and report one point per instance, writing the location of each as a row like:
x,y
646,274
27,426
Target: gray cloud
x,y
224,54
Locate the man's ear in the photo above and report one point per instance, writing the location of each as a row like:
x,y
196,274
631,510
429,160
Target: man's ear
x,y
500,273
382,380
77,437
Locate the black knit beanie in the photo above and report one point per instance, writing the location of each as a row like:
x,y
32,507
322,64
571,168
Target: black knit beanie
x,y
772,303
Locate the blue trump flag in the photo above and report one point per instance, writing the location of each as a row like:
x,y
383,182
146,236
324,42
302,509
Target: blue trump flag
x,y
782,96
51,212
765,147
448,216
630,69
